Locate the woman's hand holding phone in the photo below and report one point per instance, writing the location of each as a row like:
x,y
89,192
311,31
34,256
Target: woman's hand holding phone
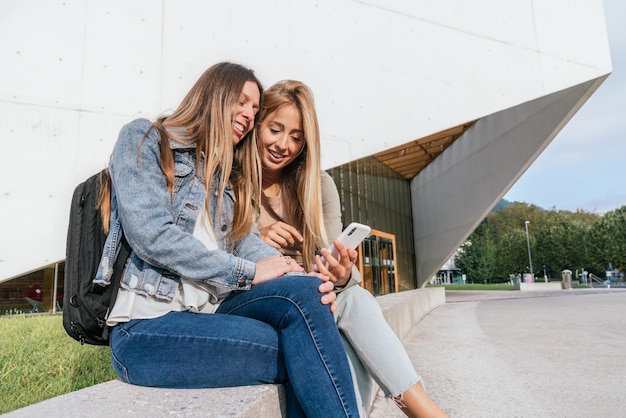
x,y
338,264
338,260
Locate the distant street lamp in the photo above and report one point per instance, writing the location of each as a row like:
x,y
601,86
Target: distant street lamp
x,y
530,261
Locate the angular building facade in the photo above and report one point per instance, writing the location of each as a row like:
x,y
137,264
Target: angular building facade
x,y
429,110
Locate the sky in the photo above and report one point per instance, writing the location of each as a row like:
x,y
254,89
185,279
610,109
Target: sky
x,y
585,165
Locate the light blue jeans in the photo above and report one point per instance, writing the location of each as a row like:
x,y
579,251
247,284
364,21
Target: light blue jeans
x,y
276,332
374,350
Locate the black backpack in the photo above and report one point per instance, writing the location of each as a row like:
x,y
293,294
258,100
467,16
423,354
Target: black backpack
x,y
85,304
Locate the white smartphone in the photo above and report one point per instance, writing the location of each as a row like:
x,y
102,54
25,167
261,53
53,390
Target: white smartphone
x,y
351,237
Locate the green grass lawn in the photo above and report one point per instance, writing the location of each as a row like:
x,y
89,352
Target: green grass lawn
x,y
38,361
475,286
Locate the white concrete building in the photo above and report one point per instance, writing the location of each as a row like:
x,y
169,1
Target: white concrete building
x,y
506,75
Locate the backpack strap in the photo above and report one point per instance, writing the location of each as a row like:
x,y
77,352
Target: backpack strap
x,y
118,270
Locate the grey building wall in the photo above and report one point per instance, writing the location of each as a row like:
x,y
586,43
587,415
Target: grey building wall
x,y
458,189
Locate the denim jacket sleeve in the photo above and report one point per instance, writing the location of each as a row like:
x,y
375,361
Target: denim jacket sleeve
x,y
253,248
159,226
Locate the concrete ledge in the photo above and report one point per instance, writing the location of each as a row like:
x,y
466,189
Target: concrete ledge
x,y
405,309
116,399
539,286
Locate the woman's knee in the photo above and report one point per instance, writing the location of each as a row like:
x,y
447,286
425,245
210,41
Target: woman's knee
x,y
303,292
303,286
356,297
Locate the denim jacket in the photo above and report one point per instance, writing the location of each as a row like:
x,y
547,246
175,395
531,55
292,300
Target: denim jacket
x,y
159,226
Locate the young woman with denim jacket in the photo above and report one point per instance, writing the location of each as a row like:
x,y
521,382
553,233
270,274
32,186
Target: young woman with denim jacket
x,y
204,302
299,209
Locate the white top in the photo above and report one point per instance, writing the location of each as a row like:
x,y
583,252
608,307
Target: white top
x,y
191,295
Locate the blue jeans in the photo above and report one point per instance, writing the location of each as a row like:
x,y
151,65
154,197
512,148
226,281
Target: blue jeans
x,y
276,332
373,348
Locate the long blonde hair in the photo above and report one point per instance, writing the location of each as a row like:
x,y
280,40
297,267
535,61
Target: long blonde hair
x,y
204,118
300,180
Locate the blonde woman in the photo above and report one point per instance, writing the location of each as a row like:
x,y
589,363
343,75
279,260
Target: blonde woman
x,y
300,209
204,302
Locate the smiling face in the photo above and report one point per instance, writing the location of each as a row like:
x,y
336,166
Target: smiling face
x,y
244,111
281,138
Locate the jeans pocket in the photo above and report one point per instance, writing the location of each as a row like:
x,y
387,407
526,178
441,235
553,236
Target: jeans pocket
x,y
126,327
120,369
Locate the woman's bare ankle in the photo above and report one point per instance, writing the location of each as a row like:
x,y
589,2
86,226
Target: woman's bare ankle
x,y
415,403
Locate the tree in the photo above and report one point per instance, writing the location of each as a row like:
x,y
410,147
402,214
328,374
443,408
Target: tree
x,y
512,253
609,239
477,258
558,239
562,242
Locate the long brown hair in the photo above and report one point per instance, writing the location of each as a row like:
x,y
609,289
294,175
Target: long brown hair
x,y
204,118
300,180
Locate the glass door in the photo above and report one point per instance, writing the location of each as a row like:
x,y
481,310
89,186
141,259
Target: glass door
x,y
377,265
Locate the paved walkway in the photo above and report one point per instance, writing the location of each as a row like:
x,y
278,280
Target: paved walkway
x,y
523,354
